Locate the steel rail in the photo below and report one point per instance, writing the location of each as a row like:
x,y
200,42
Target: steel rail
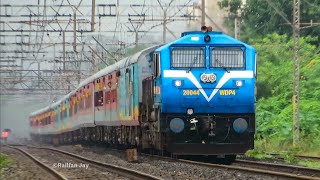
x,y
287,167
308,157
317,158
252,170
39,163
132,174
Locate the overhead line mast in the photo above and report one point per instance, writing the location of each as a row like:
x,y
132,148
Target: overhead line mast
x,y
296,75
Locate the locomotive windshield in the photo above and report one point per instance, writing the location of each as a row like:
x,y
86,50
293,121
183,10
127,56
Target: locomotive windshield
x,y
187,57
227,57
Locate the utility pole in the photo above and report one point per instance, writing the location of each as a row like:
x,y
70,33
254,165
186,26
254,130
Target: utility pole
x,y
296,26
203,13
237,27
164,24
164,27
237,24
74,31
296,71
93,15
64,50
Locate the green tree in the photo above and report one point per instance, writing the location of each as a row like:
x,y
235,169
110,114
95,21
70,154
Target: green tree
x,y
260,17
275,82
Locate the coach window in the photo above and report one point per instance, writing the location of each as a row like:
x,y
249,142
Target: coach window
x,y
80,100
75,105
61,111
65,110
98,99
70,107
88,100
57,114
88,97
156,64
52,117
108,97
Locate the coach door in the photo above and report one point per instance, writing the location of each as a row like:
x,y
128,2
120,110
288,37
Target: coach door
x,y
108,104
147,98
128,95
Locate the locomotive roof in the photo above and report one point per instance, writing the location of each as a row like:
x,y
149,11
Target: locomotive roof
x,y
116,66
197,37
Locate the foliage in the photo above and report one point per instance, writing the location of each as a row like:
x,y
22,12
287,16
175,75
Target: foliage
x,y
289,156
261,17
258,152
265,26
274,84
4,161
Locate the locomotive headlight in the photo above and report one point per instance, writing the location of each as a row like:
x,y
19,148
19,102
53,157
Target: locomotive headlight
x,y
190,111
212,78
177,83
176,125
204,78
239,83
240,125
207,38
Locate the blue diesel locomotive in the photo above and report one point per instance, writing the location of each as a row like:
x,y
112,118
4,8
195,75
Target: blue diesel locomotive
x,y
192,96
207,102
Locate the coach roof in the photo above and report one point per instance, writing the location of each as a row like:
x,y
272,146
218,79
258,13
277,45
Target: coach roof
x,y
116,66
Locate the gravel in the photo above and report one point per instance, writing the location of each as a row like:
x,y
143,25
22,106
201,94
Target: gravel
x,y
72,168
161,168
22,167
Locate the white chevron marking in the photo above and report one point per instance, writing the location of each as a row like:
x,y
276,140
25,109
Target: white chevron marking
x,y
223,80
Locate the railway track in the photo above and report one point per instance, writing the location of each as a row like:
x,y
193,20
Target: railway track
x,y
315,158
129,173
276,170
273,170
260,168
308,157
124,172
48,169
302,172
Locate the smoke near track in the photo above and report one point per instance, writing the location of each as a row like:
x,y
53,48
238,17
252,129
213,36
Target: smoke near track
x,y
14,112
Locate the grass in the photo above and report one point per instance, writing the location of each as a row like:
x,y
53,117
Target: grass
x,y
263,149
4,161
312,164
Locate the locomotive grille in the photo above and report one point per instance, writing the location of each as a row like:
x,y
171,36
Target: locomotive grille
x,y
227,57
187,57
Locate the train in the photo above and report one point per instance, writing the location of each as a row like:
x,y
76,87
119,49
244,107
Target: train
x,y
193,96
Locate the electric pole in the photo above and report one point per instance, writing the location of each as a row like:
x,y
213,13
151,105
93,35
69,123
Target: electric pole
x,y
203,13
93,13
64,50
74,31
296,71
237,25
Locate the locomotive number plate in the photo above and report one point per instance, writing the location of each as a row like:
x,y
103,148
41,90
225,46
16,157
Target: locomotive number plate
x,y
191,92
227,92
